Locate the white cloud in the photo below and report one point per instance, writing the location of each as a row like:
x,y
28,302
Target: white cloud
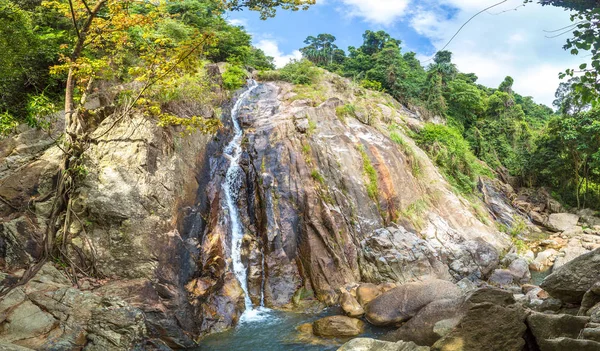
x,y
505,40
376,11
496,44
271,48
237,22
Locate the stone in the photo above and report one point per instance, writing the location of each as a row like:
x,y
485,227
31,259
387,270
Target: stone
x,y
561,222
489,327
501,277
520,270
365,293
550,326
338,326
395,254
403,302
431,323
27,321
590,299
570,282
543,260
350,306
12,347
564,344
365,344
491,295
555,332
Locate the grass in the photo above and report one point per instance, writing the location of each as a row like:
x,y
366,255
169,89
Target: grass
x,y
370,173
317,176
348,110
415,211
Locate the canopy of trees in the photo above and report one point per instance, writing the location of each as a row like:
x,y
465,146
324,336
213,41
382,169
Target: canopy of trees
x,y
509,132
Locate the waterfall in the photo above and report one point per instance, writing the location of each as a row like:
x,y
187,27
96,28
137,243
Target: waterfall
x,y
231,188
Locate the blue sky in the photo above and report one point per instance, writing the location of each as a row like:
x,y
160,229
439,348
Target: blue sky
x,y
506,40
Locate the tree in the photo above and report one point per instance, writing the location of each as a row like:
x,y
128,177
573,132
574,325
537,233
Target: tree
x,y
322,51
129,41
586,38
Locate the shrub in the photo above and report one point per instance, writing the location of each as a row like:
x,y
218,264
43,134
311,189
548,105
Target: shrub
x,y
371,85
452,154
234,77
300,72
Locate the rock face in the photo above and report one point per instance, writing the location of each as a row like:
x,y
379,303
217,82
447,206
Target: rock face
x,y
338,326
395,254
403,302
150,211
49,314
364,344
570,282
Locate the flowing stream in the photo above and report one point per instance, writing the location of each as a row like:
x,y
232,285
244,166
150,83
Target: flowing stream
x,y
231,188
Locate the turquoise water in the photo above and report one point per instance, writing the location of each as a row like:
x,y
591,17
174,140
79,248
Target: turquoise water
x,y
277,332
538,277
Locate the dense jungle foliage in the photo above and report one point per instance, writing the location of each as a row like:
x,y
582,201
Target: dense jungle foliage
x,y
525,142
54,53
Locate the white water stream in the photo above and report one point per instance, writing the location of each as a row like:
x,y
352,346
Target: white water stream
x,y
231,188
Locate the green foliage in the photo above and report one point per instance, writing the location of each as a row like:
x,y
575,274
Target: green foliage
x,y
312,127
370,173
452,154
371,85
234,77
317,176
348,110
414,213
301,72
322,51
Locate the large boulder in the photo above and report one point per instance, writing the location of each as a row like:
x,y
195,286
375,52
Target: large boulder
x,y
561,222
489,327
560,332
338,326
403,302
431,323
395,254
365,344
570,282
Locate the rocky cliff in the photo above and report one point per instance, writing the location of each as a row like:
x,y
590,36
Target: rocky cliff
x,y
333,192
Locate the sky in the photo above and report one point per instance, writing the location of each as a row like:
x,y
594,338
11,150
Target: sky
x,y
509,39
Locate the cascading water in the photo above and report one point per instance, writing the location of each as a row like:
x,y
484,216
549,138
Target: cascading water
x,y
231,188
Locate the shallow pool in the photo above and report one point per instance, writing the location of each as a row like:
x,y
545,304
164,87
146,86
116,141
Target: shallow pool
x,y
276,331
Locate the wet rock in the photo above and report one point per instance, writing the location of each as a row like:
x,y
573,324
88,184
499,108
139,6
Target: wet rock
x,y
431,323
403,302
350,306
561,222
574,248
570,282
366,293
543,260
365,344
338,326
